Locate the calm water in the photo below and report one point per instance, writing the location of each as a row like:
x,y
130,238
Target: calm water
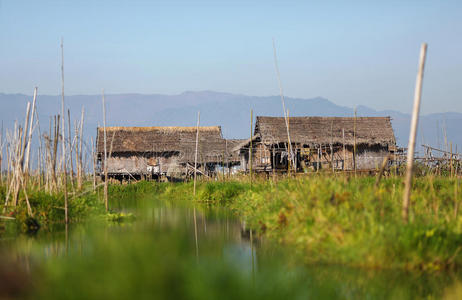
x,y
167,253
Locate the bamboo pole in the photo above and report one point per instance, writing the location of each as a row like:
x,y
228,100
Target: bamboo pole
x,y
63,132
195,155
282,99
250,149
93,155
71,170
382,170
76,150
29,138
331,145
24,138
456,171
79,163
450,160
445,134
1,154
344,152
288,144
273,153
319,159
40,149
456,202
413,133
227,159
194,188
354,143
106,204
18,171
55,152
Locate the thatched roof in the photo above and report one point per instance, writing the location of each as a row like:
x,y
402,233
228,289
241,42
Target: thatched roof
x,y
232,148
181,140
244,143
326,130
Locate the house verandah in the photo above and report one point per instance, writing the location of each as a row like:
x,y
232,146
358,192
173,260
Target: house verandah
x,y
317,143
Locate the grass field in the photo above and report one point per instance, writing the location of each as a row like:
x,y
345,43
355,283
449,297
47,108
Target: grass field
x,y
327,219
343,228
338,220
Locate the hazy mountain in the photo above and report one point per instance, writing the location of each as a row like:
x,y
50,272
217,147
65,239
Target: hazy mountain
x,y
231,111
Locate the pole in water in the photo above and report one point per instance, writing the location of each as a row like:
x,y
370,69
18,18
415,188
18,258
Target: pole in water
x,y
66,216
282,99
106,202
194,190
344,153
288,144
413,133
354,143
250,149
451,158
195,155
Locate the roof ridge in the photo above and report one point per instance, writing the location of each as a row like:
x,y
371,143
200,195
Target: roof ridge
x,y
161,128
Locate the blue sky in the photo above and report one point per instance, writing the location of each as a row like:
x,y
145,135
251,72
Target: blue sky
x,y
351,52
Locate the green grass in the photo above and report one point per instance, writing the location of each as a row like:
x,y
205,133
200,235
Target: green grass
x,y
48,208
325,219
333,224
337,220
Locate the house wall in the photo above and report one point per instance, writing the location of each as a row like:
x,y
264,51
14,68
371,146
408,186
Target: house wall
x,y
130,164
138,164
370,157
367,157
261,157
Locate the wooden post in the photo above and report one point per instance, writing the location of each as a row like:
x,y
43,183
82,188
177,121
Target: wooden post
x,y
63,133
331,145
412,135
319,159
54,153
93,157
344,152
223,165
40,147
1,154
288,145
79,158
382,170
450,160
71,173
274,161
106,202
456,171
456,202
227,158
282,99
354,143
29,138
250,148
195,155
194,190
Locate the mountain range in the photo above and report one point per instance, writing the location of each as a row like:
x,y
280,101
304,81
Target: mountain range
x,y
230,111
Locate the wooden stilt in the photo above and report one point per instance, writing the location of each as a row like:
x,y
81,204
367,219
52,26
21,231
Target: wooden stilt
x,y
63,133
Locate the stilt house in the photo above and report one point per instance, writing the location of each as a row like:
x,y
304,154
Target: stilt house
x,y
339,143
151,152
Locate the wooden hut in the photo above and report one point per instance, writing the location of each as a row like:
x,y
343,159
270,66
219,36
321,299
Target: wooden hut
x,y
144,152
318,142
